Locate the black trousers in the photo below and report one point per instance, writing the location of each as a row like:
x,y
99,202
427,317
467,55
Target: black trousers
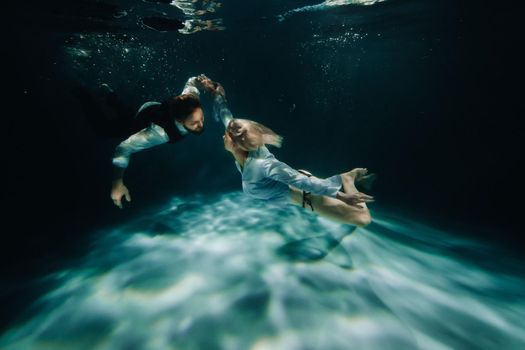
x,y
107,115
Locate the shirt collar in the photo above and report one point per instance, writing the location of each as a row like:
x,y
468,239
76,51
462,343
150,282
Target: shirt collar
x,y
181,128
262,151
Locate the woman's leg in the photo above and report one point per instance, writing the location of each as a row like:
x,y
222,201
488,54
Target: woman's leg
x,y
349,179
335,209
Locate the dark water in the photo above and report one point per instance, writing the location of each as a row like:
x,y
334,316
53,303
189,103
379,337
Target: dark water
x,y
424,93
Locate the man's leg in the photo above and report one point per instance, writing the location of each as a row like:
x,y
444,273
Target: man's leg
x,y
95,114
122,111
98,117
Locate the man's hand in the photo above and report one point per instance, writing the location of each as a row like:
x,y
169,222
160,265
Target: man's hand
x,y
210,86
355,198
119,190
206,83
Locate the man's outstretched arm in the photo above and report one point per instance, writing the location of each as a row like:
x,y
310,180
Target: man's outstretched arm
x,y
193,86
149,137
152,136
146,138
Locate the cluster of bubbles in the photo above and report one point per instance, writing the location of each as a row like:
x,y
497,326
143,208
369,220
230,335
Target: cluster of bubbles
x,y
128,58
127,62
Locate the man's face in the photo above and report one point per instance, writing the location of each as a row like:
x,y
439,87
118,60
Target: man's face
x,y
195,122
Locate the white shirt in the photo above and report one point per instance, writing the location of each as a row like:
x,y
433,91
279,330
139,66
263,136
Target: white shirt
x,y
265,177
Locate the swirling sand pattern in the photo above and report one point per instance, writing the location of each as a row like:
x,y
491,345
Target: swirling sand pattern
x,y
211,273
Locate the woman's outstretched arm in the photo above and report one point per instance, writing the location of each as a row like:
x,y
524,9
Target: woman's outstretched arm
x,y
329,187
221,111
282,172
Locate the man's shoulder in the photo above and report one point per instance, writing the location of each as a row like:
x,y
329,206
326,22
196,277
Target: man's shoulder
x,y
147,106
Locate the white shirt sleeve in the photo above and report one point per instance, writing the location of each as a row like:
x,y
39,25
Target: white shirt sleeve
x,y
221,112
191,87
146,138
282,172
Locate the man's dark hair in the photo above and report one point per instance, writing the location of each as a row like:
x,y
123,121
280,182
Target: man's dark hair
x,y
180,107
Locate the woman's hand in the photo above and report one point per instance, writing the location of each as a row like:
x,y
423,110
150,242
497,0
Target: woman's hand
x,y
211,86
354,199
206,83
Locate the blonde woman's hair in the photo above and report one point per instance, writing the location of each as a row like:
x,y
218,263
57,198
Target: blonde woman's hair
x,y
250,135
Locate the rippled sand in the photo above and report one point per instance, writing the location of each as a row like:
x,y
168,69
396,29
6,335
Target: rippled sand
x,y
229,273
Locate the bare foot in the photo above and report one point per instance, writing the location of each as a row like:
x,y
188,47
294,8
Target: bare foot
x,y
349,179
357,173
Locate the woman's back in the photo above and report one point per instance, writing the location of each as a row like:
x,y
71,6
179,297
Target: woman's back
x,y
255,180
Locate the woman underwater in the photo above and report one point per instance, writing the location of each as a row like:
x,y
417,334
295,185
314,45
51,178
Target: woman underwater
x,y
264,177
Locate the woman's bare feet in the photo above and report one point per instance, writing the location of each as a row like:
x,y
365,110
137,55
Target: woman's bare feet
x,y
349,179
357,173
